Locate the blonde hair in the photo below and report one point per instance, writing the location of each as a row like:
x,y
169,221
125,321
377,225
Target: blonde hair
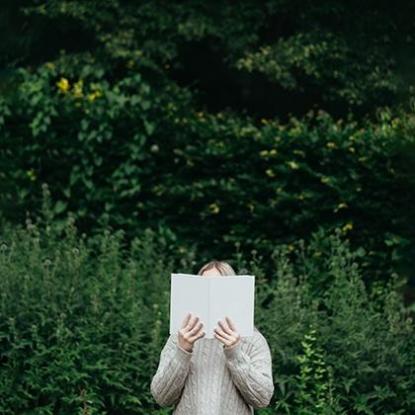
x,y
223,267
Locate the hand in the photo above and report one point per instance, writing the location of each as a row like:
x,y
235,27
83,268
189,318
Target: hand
x,y
227,333
190,331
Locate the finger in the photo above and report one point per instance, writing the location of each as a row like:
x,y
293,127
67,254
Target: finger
x,y
186,320
223,334
200,334
222,339
195,329
192,322
225,341
230,323
225,327
228,343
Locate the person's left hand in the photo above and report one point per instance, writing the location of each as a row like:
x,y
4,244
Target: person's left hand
x,y
227,333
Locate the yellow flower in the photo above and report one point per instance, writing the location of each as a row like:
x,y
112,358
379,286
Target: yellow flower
x,y
31,174
63,85
268,153
299,152
330,144
77,89
293,165
340,206
214,208
50,65
270,173
347,227
94,95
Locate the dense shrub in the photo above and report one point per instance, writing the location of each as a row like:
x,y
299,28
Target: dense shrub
x,y
132,152
338,347
80,321
83,320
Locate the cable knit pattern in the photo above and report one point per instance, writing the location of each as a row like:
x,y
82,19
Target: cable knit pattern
x,y
214,380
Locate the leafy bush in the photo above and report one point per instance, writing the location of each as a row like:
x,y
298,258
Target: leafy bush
x,y
132,153
81,322
339,347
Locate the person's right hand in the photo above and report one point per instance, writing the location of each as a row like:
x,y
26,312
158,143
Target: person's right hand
x,y
190,331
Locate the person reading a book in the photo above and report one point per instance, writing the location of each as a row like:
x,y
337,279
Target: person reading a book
x,y
225,375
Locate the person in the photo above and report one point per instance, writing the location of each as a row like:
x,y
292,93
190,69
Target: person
x,y
225,375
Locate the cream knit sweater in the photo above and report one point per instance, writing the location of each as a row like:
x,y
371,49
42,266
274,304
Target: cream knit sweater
x,y
214,380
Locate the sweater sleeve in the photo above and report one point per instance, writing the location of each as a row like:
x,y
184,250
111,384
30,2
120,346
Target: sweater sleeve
x,y
252,372
169,379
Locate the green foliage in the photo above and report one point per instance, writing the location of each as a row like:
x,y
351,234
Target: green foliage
x,y
343,59
125,116
72,117
190,127
338,346
315,381
311,60
134,153
83,320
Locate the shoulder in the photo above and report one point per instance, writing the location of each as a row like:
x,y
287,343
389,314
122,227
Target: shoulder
x,y
257,340
258,336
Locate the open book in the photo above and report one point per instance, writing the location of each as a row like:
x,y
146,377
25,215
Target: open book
x,y
211,298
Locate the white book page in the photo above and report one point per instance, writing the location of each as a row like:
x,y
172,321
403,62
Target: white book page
x,y
188,294
211,299
232,296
